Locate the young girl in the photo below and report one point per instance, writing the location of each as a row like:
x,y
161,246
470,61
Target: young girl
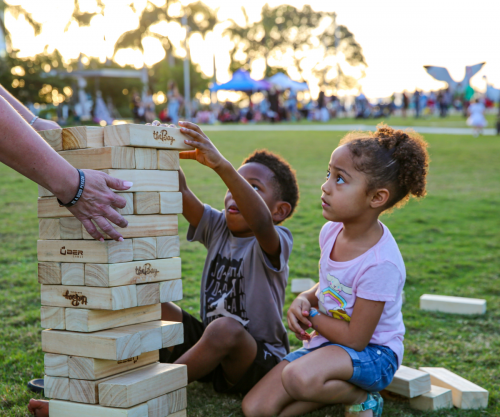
x,y
355,310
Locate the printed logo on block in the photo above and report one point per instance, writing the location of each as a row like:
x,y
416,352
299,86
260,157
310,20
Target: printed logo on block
x,y
76,298
134,359
74,252
145,270
163,136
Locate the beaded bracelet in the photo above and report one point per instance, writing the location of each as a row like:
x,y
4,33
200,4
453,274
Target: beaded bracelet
x,y
79,192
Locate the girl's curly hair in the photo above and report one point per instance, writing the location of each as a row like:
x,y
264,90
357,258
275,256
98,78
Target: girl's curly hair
x,y
391,158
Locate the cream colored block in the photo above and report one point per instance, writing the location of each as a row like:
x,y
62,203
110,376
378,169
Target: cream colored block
x,y
148,294
56,387
452,305
53,137
170,203
167,247
145,136
171,291
71,228
49,229
66,409
52,318
168,404
129,208
48,207
73,273
436,399
80,137
49,273
146,203
146,158
410,382
101,158
147,180
302,284
168,160
56,365
144,248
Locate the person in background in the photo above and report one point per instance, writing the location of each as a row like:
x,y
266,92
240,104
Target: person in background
x,y
406,102
174,102
416,102
476,117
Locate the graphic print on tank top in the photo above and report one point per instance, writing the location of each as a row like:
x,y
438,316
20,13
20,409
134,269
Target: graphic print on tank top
x,y
225,290
331,301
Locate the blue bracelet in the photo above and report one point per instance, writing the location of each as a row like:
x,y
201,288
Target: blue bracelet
x,y
313,312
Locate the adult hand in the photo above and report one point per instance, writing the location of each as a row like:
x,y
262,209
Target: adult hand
x,y
43,124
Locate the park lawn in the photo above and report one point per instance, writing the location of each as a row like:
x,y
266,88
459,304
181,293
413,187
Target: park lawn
x,y
450,241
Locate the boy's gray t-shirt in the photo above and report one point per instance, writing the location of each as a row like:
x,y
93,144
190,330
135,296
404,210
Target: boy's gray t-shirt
x,y
240,282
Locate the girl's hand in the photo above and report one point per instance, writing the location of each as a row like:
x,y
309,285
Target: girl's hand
x,y
205,153
297,321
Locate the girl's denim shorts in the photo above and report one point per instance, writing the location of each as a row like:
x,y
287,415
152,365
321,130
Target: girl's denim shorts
x,y
374,367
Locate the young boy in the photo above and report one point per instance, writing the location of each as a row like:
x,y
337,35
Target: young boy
x,y
241,336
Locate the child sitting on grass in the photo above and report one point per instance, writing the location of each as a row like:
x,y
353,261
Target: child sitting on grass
x,y
355,309
241,336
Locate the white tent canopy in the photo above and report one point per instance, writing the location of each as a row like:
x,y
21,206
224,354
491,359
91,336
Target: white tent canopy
x,y
284,82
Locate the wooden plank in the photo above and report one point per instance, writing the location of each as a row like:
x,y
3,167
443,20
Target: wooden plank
x,y
146,203
92,369
49,273
171,291
92,298
53,137
168,160
168,404
410,382
81,137
56,365
433,400
144,226
139,272
101,158
466,394
49,207
129,208
172,333
167,247
49,229
147,180
73,273
83,320
144,136
146,158
144,248
86,251
52,318
56,387
148,294
302,284
452,305
70,228
142,385
171,203
156,334
65,409
181,413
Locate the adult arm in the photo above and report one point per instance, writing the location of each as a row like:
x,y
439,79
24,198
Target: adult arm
x,y
22,149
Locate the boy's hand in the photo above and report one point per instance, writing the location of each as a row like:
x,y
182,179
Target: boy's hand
x,y
205,153
297,321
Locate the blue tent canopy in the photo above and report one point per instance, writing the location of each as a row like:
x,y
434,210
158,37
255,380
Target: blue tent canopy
x,y
241,81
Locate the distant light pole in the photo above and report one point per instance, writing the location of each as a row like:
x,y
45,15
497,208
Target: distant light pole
x,y
187,86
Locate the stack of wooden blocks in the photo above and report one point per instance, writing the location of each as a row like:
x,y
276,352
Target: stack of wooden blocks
x,y
101,301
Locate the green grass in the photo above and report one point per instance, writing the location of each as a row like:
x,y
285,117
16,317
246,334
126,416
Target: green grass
x,y
450,242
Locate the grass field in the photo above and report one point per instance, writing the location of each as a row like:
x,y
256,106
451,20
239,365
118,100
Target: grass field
x,y
450,242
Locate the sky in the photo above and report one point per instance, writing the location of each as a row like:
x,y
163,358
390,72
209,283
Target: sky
x,y
398,37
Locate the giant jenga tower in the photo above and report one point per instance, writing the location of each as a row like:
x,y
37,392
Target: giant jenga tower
x,y
101,301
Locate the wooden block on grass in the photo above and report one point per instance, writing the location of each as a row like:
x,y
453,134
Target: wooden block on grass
x,y
144,248
410,382
158,137
49,207
142,385
52,318
168,160
81,137
302,284
453,305
168,404
86,251
147,180
433,400
82,320
49,273
148,294
129,208
167,247
66,409
171,291
56,365
56,387
73,273
101,158
146,158
92,369
147,203
53,137
181,413
466,395
170,203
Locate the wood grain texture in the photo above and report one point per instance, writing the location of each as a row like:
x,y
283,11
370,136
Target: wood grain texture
x,y
147,180
71,228
49,207
84,251
452,305
168,404
83,320
168,160
67,409
148,294
52,318
170,203
101,158
171,291
127,273
167,247
53,137
146,158
56,365
172,333
156,334
436,399
144,248
410,382
72,273
56,387
49,229
49,273
145,136
181,413
81,137
129,208
146,203
83,391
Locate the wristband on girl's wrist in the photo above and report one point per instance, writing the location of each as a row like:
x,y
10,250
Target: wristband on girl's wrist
x,y
79,192
313,312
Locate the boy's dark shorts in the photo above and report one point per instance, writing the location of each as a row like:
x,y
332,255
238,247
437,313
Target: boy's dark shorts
x,y
193,330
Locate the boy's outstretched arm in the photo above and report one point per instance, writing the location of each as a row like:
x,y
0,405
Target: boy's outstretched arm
x,y
251,205
192,207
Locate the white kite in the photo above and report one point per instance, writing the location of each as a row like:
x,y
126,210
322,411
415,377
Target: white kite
x,y
442,74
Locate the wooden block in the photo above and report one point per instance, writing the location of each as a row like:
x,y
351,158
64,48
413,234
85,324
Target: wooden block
x,y
56,365
453,305
65,409
112,275
71,228
145,136
146,158
129,208
85,251
168,404
49,273
147,180
82,320
302,284
168,160
145,226
73,274
146,203
144,248
181,413
83,391
43,192
49,229
410,382
171,203
142,385
52,318
433,400
81,137
148,294
92,369
156,334
466,394
49,207
167,247
101,158
56,387
53,137
171,291
93,298
172,333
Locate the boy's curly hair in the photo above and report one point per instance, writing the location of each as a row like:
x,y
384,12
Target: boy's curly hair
x,y
285,181
391,158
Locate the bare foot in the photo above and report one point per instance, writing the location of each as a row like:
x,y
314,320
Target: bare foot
x,y
39,408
